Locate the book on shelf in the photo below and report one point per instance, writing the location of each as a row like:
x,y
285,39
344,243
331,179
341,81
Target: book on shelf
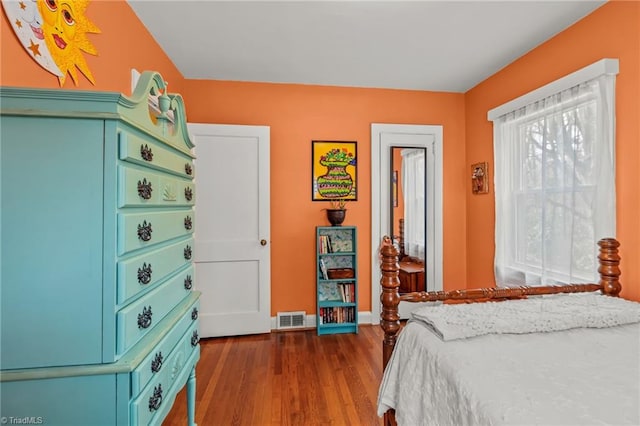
x,y
324,244
323,270
346,291
337,315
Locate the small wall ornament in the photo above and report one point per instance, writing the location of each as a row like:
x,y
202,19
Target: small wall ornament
x,y
479,178
54,34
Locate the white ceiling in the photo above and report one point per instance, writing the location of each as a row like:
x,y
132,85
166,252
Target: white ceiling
x,y
447,46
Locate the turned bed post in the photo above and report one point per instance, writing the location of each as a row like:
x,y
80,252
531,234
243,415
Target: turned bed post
x,y
609,269
390,298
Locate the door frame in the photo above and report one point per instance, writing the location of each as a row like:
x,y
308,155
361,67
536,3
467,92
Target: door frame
x,y
380,195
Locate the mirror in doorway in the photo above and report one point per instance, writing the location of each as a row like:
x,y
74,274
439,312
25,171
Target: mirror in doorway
x,y
407,214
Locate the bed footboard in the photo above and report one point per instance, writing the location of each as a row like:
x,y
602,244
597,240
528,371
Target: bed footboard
x,y
609,271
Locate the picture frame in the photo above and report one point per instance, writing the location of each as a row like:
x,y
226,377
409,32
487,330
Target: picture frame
x,y
334,170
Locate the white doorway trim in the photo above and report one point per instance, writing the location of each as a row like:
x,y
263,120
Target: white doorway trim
x,y
380,193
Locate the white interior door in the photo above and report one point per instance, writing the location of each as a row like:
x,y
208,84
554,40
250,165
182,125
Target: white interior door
x,y
383,137
232,248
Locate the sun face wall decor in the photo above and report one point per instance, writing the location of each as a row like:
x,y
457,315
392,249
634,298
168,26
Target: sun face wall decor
x,y
26,22
54,33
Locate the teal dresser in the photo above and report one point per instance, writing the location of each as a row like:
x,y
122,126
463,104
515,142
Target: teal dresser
x,y
99,322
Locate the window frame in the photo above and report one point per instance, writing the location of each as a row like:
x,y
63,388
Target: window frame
x,y
513,262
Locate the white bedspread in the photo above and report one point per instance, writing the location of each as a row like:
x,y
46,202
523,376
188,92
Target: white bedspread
x,y
533,315
572,377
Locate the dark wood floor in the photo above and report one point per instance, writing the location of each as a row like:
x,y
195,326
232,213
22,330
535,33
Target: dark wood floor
x,y
288,378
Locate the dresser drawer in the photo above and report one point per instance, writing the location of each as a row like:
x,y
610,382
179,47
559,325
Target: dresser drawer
x,y
138,318
158,360
142,187
134,149
164,386
139,230
192,337
143,272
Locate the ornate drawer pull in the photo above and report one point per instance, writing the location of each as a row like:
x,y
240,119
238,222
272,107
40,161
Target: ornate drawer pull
x,y
144,274
187,223
194,338
156,399
146,153
144,319
144,231
144,189
194,314
188,169
156,364
188,283
188,193
187,252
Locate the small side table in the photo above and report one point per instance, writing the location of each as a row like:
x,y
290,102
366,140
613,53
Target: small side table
x,y
411,277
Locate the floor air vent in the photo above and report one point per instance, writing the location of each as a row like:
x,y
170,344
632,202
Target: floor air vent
x,y
291,320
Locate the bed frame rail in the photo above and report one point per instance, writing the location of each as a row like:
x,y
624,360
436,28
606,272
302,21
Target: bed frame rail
x,y
609,271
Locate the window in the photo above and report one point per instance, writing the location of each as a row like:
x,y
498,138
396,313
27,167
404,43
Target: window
x,y
555,183
413,189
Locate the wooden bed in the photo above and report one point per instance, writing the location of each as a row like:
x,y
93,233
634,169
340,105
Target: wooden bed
x,y
609,284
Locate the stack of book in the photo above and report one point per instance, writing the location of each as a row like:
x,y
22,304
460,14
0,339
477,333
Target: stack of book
x,y
337,315
324,244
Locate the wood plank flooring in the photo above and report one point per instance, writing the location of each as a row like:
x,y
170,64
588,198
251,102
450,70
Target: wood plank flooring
x,y
289,378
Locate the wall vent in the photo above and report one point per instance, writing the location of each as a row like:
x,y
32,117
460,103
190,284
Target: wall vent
x,y
286,320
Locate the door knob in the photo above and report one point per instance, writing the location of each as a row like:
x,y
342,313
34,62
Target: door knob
x,y
263,242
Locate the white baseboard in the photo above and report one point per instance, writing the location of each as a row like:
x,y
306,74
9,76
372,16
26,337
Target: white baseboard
x,y
364,318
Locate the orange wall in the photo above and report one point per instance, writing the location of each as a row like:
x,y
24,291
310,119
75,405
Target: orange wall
x,y
398,212
612,31
123,43
298,114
